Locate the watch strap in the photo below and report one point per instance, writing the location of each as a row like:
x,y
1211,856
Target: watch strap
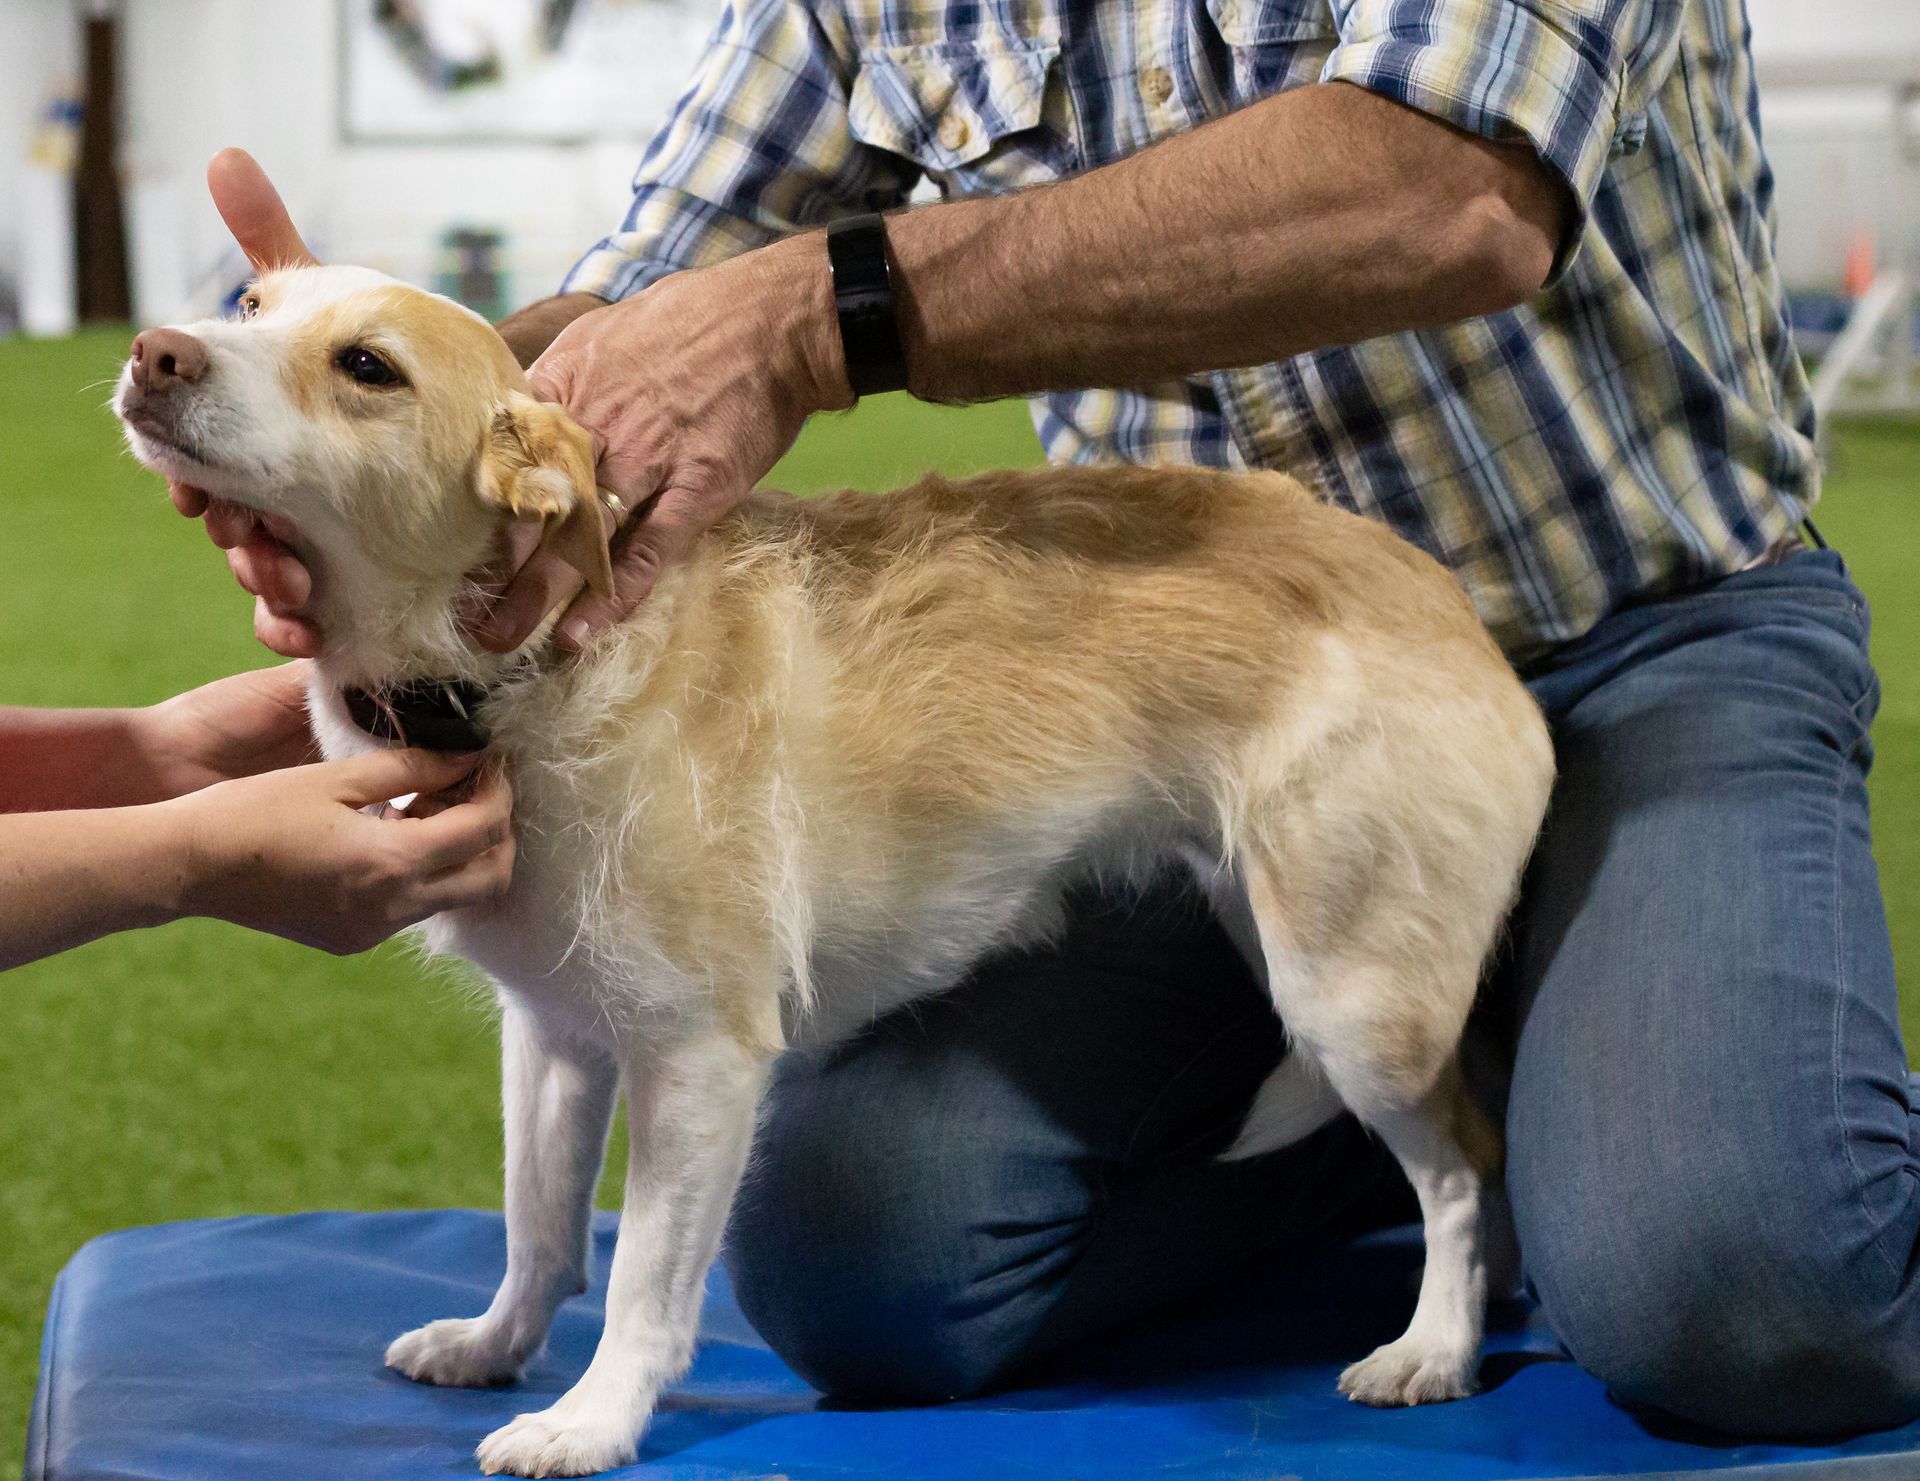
x,y
863,304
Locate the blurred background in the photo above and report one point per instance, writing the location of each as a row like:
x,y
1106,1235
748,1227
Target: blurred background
x,y
476,147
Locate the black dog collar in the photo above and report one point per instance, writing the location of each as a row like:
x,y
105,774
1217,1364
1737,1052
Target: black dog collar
x,y
433,714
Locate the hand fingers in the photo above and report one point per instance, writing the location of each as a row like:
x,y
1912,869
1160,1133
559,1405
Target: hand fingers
x,y
290,637
268,570
464,831
547,377
514,546
380,776
544,582
507,601
479,881
191,502
254,212
659,536
229,525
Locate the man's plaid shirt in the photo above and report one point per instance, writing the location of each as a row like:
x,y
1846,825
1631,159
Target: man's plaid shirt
x,y
1642,425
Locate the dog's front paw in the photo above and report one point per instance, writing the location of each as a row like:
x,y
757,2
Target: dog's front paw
x,y
1408,1372
460,1352
556,1443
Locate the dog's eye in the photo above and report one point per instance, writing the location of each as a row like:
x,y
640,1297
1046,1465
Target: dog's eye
x,y
250,306
366,367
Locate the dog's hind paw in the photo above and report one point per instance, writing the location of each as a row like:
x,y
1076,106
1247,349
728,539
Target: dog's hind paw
x,y
460,1352
552,1443
1406,1372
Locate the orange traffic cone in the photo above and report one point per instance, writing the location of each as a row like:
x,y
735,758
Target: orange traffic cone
x,y
1859,273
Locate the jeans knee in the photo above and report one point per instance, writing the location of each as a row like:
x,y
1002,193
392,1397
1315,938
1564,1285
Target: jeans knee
x,y
1737,1338
858,1253
860,1324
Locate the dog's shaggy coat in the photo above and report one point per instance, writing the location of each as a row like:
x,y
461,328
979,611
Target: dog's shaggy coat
x,y
847,748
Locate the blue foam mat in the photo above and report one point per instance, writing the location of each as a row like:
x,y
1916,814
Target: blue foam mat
x,y
251,1348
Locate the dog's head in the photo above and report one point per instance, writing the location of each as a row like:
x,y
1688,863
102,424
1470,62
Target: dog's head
x,y
384,432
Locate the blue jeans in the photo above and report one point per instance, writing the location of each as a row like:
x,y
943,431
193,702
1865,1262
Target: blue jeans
x,y
1711,1143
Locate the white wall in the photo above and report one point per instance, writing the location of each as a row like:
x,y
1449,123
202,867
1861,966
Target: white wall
x,y
1833,150
38,50
1847,27
202,74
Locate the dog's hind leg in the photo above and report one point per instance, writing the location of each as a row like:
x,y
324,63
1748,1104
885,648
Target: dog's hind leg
x,y
1379,1006
1450,1156
558,1102
690,1111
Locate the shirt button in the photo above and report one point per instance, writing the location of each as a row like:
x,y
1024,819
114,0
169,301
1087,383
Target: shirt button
x,y
954,132
1156,85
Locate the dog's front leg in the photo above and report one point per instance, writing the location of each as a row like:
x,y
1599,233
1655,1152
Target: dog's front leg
x,y
690,1112
557,1098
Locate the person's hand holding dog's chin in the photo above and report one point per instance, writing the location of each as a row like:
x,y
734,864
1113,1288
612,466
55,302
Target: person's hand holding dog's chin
x,y
265,568
691,390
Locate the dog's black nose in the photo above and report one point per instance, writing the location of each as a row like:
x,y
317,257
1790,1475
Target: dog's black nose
x,y
163,358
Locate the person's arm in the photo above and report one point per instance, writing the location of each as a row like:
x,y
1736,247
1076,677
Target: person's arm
x,y
529,331
287,852
1441,169
1368,218
1441,172
1318,216
73,759
69,877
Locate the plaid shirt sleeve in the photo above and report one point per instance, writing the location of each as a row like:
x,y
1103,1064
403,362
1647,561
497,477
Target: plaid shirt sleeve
x,y
756,148
1570,77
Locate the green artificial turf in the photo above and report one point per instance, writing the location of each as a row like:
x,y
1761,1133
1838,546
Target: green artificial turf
x,y
199,1070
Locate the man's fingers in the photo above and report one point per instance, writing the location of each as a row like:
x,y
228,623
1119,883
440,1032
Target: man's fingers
x,y
191,502
290,637
518,540
647,546
254,212
229,525
544,582
266,569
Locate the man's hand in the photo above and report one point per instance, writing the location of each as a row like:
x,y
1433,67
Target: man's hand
x,y
235,727
692,390
291,852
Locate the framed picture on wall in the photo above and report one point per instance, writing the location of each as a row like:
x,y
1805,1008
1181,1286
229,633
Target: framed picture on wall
x,y
515,71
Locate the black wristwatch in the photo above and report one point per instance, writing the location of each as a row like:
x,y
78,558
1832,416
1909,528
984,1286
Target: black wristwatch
x,y
863,303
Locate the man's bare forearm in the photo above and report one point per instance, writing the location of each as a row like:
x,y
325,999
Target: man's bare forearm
x,y
533,328
1324,215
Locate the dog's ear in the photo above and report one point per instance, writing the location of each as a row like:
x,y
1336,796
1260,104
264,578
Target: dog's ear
x,y
538,463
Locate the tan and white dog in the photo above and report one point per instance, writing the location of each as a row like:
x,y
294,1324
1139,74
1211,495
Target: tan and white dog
x,y
850,746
